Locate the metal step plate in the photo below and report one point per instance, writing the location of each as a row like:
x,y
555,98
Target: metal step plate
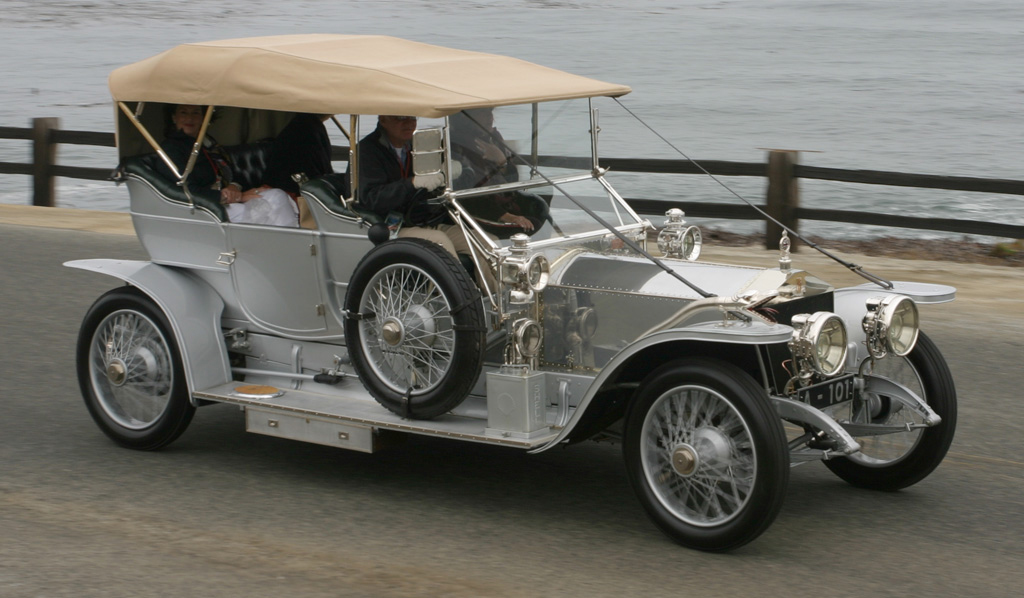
x,y
353,408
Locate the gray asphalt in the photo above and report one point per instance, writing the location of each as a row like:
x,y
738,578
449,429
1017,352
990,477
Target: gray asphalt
x,y
224,513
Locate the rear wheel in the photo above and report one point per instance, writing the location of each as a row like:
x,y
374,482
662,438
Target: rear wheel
x,y
706,454
895,461
130,371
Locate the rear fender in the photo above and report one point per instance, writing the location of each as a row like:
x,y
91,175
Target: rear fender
x,y
191,306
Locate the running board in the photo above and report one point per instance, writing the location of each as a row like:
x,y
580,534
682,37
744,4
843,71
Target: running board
x,y
352,420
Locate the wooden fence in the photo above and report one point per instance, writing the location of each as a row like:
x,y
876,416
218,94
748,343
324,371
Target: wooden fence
x,y
782,199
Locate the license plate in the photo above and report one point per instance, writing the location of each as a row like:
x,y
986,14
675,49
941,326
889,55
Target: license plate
x,y
827,393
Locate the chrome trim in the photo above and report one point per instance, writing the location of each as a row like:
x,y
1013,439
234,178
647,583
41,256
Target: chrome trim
x,y
895,390
564,396
278,374
619,201
624,228
879,429
878,325
353,158
804,413
807,330
296,363
226,258
530,184
728,304
183,183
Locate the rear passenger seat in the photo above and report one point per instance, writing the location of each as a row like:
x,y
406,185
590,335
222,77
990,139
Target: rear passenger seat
x,y
249,162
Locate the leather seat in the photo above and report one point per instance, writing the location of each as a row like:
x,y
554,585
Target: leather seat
x,y
248,163
327,191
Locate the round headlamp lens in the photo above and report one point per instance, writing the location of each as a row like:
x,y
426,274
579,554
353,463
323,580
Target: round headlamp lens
x,y
692,242
819,341
528,337
900,318
537,272
829,347
822,336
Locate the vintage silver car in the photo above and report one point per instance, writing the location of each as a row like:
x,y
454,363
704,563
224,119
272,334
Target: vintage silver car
x,y
596,325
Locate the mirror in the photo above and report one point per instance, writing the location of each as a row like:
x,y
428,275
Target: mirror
x,y
428,151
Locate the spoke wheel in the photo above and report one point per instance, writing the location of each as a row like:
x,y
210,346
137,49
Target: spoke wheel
x,y
894,461
130,371
419,330
706,454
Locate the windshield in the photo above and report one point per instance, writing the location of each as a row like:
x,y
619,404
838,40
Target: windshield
x,y
522,167
498,146
550,210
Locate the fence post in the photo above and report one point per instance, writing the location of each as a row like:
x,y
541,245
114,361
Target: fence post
x,y
783,196
44,154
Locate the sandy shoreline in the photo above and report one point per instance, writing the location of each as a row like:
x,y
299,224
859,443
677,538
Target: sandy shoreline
x,y
114,223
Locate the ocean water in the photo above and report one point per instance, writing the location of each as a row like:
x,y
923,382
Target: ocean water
x,y
926,86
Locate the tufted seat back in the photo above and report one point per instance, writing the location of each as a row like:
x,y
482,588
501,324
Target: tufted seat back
x,y
248,163
327,191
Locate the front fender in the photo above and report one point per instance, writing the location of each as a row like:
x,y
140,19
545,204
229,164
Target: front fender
x,y
850,303
192,308
755,332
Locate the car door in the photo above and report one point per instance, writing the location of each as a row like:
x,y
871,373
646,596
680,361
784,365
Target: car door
x,y
276,277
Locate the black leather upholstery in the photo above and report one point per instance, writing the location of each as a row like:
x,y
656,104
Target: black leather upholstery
x,y
327,191
248,163
144,167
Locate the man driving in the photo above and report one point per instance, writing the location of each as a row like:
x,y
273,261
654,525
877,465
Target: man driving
x,y
389,188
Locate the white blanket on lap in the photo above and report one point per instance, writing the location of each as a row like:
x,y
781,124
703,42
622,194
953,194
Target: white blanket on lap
x,y
273,207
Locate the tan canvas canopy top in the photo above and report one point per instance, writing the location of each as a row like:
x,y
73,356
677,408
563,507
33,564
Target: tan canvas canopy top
x,y
345,74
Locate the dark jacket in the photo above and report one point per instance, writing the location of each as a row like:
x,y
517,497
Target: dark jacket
x,y
384,185
476,170
303,146
210,165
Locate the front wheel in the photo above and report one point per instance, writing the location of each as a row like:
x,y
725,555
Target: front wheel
x,y
706,454
895,461
131,373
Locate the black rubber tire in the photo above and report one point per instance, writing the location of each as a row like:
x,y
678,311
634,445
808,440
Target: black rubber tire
x,y
150,406
435,354
742,454
930,447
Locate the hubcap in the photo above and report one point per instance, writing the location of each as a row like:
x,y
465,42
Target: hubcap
x,y
684,460
391,332
411,342
131,369
697,455
117,373
713,447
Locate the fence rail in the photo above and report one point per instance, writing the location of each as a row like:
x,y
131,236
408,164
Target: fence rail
x,y
781,169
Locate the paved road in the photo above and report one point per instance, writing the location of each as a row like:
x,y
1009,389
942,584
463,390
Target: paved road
x,y
225,513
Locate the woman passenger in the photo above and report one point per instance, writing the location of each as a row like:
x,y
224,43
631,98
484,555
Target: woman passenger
x,y
212,170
